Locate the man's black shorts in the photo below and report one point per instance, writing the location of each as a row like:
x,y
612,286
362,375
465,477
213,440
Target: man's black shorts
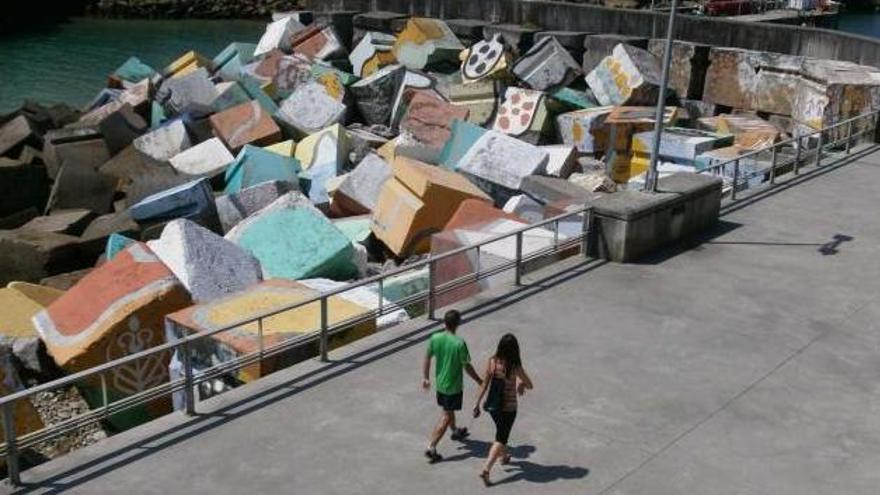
x,y
449,402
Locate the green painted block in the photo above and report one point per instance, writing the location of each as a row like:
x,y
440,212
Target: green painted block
x,y
157,115
253,89
464,135
133,70
231,94
357,229
573,99
254,165
115,244
297,243
230,61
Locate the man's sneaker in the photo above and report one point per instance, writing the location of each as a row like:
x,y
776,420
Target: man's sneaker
x,y
433,456
460,434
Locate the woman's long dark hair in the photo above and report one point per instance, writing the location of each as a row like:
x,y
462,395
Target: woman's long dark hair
x,y
508,351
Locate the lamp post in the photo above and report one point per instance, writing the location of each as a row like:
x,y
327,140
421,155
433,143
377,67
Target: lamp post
x,y
651,178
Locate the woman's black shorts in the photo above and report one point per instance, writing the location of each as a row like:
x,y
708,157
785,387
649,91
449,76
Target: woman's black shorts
x,y
503,424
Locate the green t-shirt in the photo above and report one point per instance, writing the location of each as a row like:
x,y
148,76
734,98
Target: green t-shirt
x,y
452,354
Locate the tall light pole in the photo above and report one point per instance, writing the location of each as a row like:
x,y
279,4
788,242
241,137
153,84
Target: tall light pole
x,y
651,178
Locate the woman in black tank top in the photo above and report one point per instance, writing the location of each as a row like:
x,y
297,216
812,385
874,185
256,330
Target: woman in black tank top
x,y
508,378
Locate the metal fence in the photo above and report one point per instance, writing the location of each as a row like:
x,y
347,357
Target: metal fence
x,y
559,243
804,148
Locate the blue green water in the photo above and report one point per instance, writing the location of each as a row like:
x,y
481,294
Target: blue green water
x,y
70,62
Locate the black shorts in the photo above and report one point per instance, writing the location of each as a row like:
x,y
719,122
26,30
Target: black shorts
x,y
503,424
449,402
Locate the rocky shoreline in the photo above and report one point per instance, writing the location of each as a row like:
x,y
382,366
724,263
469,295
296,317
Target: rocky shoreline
x,y
202,9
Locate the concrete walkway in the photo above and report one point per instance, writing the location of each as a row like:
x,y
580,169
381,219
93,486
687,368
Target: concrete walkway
x,y
747,364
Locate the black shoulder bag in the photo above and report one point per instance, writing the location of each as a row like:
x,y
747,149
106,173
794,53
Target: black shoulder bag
x,y
495,397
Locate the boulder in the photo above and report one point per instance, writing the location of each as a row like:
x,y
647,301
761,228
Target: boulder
x,y
206,159
22,186
116,310
64,281
832,91
679,145
81,185
84,147
31,256
546,66
572,41
360,190
416,202
208,265
70,222
426,42
295,242
629,76
283,148
14,134
233,208
22,301
749,131
247,123
468,31
193,200
122,127
254,165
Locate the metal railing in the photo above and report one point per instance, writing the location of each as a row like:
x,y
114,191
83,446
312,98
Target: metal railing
x,y
560,243
803,152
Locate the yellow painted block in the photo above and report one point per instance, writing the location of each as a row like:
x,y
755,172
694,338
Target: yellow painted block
x,y
307,150
18,310
625,167
388,150
41,294
284,148
187,63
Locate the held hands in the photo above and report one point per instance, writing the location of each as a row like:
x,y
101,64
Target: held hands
x,y
426,384
521,389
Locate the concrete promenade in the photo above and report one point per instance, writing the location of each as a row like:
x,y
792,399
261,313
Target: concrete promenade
x,y
747,364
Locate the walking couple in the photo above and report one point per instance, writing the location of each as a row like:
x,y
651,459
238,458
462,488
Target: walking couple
x,y
503,379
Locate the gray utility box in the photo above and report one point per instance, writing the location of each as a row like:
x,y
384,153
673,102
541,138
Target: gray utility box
x,y
628,225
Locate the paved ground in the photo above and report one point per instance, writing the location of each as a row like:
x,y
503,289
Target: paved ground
x,y
746,365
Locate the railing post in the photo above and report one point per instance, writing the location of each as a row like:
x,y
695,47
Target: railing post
x,y
381,289
848,136
188,386
735,179
104,392
516,268
430,301
260,343
797,156
556,234
773,165
11,444
324,342
585,232
819,150
478,262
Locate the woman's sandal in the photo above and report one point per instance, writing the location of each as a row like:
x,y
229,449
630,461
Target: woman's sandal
x,y
484,475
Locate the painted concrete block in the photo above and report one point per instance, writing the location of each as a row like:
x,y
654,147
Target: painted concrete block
x,y
230,60
257,94
133,70
629,76
254,165
266,297
412,81
193,200
292,71
372,52
680,145
295,243
21,301
518,38
485,59
418,200
687,69
480,98
426,42
749,131
116,243
572,41
364,297
524,115
137,95
15,133
208,265
832,91
116,310
731,77
318,42
70,222
311,108
751,172
429,119
360,190
474,212
546,66
247,123
163,143
375,95
503,160
187,63
548,190
599,46
277,35
233,208
356,228
585,129
206,159
229,94
562,160
524,207
463,137
322,155
468,31
192,93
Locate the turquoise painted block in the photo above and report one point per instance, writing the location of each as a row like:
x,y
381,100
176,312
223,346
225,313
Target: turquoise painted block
x,y
357,229
574,99
230,95
230,61
133,70
347,78
297,243
253,89
464,135
157,115
193,200
115,244
254,165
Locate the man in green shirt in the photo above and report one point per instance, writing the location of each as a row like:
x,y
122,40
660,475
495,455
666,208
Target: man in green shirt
x,y
451,353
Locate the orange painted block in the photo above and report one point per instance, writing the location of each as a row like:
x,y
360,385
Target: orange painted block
x,y
247,123
264,298
118,309
417,202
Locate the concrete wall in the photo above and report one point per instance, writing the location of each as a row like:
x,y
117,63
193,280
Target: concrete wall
x,y
796,40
